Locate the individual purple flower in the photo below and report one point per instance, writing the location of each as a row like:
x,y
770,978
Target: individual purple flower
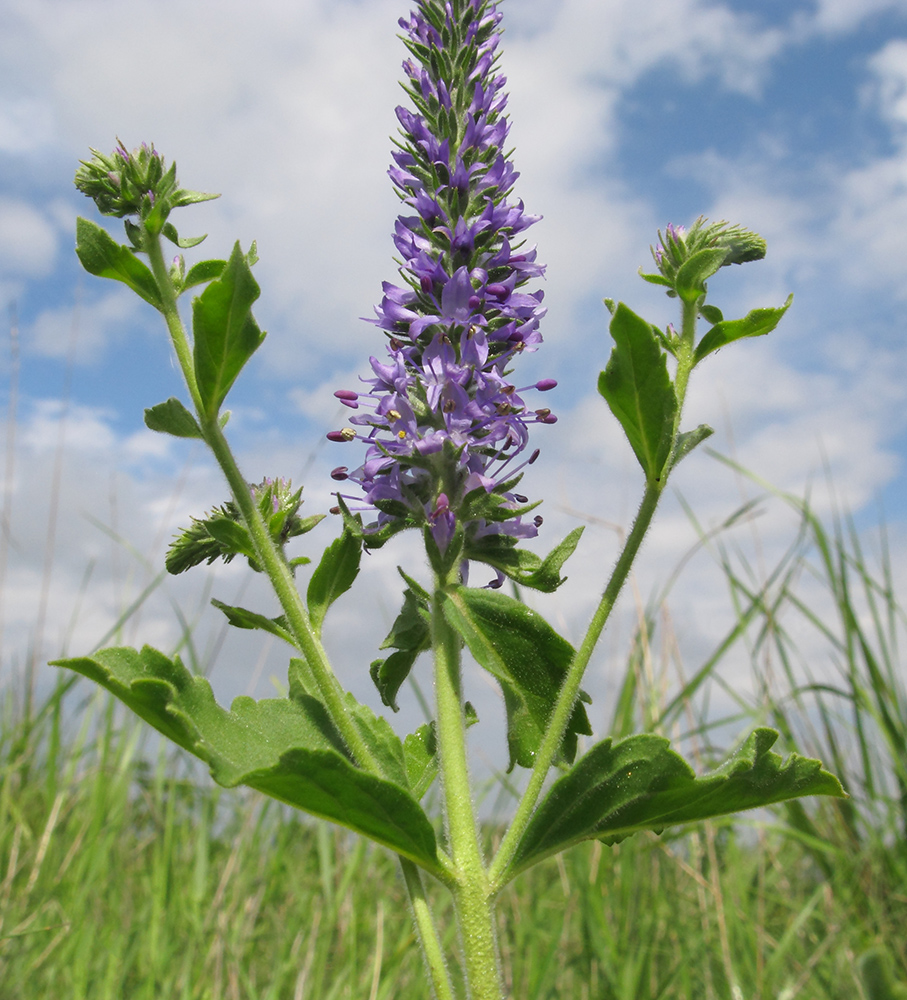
x,y
445,427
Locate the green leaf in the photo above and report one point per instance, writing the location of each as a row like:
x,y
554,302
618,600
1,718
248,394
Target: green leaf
x,y
305,524
420,750
711,314
411,627
333,576
527,657
243,618
301,679
233,537
101,255
226,334
135,234
219,536
286,748
756,323
421,754
547,578
689,282
389,674
181,198
638,389
654,279
410,635
641,784
688,440
169,230
171,417
380,738
375,730
203,272
521,565
502,552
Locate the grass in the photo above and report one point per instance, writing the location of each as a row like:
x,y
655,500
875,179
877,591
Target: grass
x,y
122,879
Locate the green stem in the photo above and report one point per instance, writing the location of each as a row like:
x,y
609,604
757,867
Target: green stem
x,y
685,354
472,896
171,315
428,933
269,555
299,625
332,694
563,707
500,872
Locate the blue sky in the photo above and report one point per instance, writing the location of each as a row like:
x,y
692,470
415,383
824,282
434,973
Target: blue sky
x,y
787,117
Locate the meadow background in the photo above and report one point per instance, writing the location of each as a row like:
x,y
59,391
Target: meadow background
x,y
788,117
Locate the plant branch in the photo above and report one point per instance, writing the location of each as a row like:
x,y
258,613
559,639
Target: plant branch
x,y
563,707
427,931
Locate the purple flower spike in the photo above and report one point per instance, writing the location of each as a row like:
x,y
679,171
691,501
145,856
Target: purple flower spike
x,y
445,425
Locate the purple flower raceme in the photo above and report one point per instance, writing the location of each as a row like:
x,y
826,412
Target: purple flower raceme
x,y
446,429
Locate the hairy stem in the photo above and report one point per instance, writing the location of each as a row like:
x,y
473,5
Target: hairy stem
x,y
567,696
472,896
297,616
428,933
499,871
171,315
270,557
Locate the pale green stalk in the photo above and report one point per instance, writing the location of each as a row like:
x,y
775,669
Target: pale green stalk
x,y
685,354
271,559
171,315
472,896
563,707
432,951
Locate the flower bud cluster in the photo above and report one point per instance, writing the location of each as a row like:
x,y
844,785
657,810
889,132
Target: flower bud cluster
x,y
221,534
725,244
136,183
446,424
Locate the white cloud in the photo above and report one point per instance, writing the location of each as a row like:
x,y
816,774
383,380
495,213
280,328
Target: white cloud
x,y
287,108
28,242
82,332
871,200
26,125
616,42
84,429
889,66
843,15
